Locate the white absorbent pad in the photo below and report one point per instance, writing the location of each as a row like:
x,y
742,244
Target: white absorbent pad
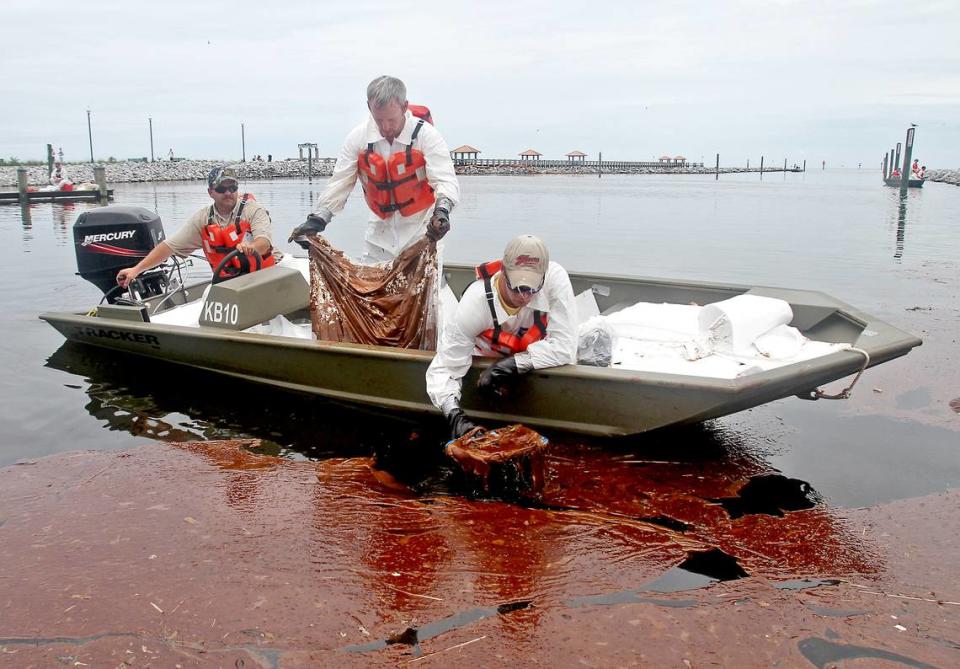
x,y
672,339
732,326
587,308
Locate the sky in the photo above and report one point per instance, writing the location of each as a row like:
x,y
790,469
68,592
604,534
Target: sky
x,y
802,80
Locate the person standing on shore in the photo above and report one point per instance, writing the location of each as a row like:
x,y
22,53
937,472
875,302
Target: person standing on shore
x,y
233,222
406,172
522,310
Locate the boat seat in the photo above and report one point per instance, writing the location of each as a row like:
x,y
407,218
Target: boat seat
x,y
249,299
123,312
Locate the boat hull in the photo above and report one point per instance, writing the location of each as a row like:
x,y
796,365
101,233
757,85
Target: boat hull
x,y
591,400
912,183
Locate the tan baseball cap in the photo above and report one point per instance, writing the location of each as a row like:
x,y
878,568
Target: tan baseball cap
x,y
525,262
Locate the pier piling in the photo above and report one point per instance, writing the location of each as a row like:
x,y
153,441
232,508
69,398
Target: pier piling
x,y
897,159
718,167
761,168
100,176
22,184
804,165
905,171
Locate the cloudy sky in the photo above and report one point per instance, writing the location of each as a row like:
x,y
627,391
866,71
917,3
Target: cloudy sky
x,y
837,81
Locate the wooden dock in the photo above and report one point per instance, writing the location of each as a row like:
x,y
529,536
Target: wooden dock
x,y
54,196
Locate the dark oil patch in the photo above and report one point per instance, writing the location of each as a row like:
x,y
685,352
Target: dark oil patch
x,y
713,563
510,607
822,653
955,404
806,583
770,494
666,521
700,569
407,637
413,636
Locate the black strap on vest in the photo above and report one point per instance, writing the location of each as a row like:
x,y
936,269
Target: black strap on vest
x,y
488,289
416,131
241,258
391,185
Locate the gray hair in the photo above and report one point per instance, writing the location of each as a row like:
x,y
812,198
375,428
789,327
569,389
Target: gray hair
x,y
384,90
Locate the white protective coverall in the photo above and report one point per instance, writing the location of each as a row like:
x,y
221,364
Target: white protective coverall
x,y
459,339
386,238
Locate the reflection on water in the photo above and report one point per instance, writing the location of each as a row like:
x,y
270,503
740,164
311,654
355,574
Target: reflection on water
x,y
418,555
151,398
642,500
901,227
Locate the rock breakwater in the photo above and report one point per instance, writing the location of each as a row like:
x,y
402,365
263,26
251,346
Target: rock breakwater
x,y
178,170
195,170
944,176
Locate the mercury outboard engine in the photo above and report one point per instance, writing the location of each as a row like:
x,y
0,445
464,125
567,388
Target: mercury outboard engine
x,y
109,239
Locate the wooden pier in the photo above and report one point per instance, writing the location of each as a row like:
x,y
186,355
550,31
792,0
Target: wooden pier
x,y
23,195
54,196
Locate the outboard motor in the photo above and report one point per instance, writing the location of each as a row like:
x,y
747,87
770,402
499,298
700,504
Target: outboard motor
x,y
109,239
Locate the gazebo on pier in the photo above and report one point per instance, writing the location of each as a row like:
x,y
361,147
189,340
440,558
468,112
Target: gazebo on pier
x,y
465,152
576,156
679,160
666,160
530,154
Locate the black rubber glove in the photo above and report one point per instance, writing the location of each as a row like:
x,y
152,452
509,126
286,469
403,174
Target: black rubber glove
x,y
459,423
498,376
439,224
312,226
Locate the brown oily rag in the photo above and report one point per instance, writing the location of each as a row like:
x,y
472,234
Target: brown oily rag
x,y
388,304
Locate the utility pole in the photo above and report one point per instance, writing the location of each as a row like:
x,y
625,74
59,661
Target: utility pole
x,y
90,134
243,144
151,138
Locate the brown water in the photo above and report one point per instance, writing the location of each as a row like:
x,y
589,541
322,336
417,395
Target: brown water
x,y
206,554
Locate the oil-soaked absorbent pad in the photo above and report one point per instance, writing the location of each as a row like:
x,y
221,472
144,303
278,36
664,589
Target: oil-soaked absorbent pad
x,y
391,304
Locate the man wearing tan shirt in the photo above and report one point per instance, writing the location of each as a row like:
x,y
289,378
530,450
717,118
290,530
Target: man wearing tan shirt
x,y
232,222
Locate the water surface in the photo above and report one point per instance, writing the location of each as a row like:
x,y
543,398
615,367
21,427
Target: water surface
x,y
838,231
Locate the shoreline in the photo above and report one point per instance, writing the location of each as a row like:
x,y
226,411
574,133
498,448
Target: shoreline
x,y
196,170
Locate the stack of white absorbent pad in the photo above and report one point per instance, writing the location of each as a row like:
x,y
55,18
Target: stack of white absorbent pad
x,y
729,339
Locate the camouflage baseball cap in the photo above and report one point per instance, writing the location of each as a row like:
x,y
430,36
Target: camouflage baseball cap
x,y
220,174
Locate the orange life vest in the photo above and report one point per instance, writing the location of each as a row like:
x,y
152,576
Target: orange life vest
x,y
507,343
398,183
219,241
421,111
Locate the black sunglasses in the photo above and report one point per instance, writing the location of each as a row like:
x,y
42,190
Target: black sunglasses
x,y
227,189
522,290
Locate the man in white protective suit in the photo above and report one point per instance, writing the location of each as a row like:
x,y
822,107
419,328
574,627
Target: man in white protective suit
x,y
405,168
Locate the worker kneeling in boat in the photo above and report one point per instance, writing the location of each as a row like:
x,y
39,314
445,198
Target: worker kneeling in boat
x,y
522,308
234,222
